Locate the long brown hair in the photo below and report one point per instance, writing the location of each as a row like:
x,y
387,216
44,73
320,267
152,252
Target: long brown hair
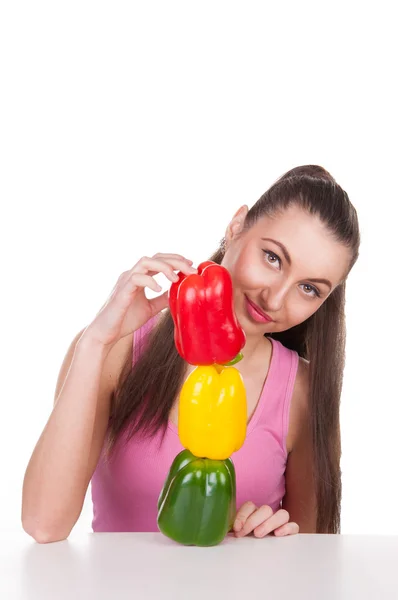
x,y
146,392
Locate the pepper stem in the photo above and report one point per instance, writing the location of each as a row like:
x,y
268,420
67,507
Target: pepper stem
x,y
235,360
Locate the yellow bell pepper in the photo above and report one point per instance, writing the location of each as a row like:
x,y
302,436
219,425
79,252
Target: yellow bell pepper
x,y
212,412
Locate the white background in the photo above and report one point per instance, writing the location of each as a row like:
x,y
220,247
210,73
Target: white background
x,y
128,128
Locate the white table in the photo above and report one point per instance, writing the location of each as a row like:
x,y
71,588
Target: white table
x,y
117,566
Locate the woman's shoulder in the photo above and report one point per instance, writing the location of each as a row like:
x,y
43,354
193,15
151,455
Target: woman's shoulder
x,y
299,407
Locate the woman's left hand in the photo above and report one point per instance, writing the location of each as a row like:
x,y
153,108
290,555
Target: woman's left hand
x,y
262,521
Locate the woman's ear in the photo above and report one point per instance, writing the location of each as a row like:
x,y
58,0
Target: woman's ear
x,y
235,226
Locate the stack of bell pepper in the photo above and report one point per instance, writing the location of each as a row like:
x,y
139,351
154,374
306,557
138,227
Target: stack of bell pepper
x,y
197,504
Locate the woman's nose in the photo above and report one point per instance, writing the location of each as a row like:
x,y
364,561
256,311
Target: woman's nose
x,y
274,297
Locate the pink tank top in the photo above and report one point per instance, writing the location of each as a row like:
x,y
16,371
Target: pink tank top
x,y
125,490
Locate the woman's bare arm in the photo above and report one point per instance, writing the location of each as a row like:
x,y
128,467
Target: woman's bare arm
x,y
68,449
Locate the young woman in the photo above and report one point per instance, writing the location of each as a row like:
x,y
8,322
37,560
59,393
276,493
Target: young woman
x,y
114,421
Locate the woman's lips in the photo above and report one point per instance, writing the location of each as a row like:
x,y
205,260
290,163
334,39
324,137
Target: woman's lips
x,y
256,313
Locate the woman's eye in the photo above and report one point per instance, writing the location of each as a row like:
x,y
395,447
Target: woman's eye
x,y
309,290
272,258
314,292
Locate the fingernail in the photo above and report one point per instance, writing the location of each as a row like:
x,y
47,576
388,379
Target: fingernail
x,y
237,525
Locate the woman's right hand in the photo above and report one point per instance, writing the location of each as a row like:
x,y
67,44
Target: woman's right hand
x,y
127,307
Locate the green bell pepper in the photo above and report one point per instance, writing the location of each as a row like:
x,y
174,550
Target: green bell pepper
x,y
197,504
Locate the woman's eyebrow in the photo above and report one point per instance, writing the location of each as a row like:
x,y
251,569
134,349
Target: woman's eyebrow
x,y
289,261
282,247
325,281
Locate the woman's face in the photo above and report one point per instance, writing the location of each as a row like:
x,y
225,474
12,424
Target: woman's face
x,y
284,266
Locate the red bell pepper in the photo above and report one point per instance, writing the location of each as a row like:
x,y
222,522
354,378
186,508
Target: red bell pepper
x,y
206,330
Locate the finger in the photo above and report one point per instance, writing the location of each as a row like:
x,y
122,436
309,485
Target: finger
x,y
256,518
243,514
152,266
127,283
172,256
121,293
141,280
278,519
287,529
180,264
